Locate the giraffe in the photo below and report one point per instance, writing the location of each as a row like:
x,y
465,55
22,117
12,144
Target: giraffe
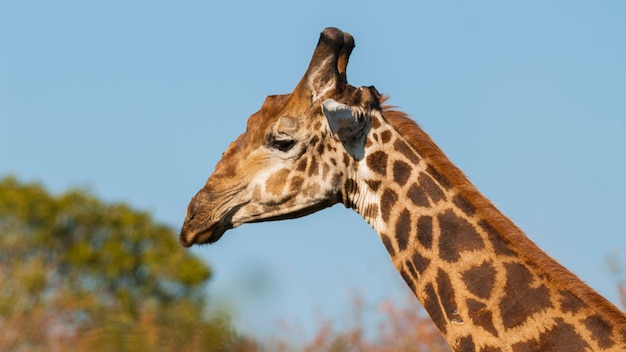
x,y
486,286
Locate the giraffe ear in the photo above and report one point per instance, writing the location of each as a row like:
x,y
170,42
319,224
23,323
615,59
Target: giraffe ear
x,y
349,124
339,115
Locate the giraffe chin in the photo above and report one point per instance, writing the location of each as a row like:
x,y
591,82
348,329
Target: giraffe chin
x,y
207,236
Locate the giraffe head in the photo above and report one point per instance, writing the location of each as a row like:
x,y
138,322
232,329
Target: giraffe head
x,y
297,153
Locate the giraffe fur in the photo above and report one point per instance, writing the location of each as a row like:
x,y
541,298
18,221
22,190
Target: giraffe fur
x,y
484,283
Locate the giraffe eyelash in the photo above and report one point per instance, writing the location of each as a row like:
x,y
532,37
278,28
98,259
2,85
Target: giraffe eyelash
x,y
282,144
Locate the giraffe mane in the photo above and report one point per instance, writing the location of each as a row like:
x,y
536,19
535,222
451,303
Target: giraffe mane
x,y
422,142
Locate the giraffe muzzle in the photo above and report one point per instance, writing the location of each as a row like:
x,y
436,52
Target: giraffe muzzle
x,y
188,237
198,230
204,223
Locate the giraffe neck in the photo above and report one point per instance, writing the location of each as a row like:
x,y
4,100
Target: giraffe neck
x,y
485,285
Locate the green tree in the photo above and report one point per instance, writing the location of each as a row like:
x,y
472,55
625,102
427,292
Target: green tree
x,y
79,274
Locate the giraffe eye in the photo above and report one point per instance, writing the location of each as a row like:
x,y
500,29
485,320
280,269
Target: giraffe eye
x,y
283,145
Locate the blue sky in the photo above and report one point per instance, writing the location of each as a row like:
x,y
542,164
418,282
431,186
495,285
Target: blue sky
x,y
137,100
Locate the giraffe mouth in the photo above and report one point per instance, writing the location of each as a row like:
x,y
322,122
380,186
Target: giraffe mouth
x,y
296,213
207,219
195,231
189,236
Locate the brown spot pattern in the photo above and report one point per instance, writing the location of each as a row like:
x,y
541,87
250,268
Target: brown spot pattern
x,y
500,245
562,337
373,185
403,229
388,245
407,278
570,303
417,195
480,280
463,204
387,201
377,162
412,269
481,316
443,181
321,148
490,349
375,123
466,344
600,331
446,294
425,231
385,136
313,169
401,172
434,192
420,263
404,149
296,183
302,165
431,304
457,235
346,159
521,300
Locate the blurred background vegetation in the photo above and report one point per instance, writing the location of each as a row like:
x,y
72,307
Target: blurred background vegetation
x,y
77,274
80,275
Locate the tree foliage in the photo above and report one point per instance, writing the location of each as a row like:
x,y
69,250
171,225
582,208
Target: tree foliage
x,y
79,274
